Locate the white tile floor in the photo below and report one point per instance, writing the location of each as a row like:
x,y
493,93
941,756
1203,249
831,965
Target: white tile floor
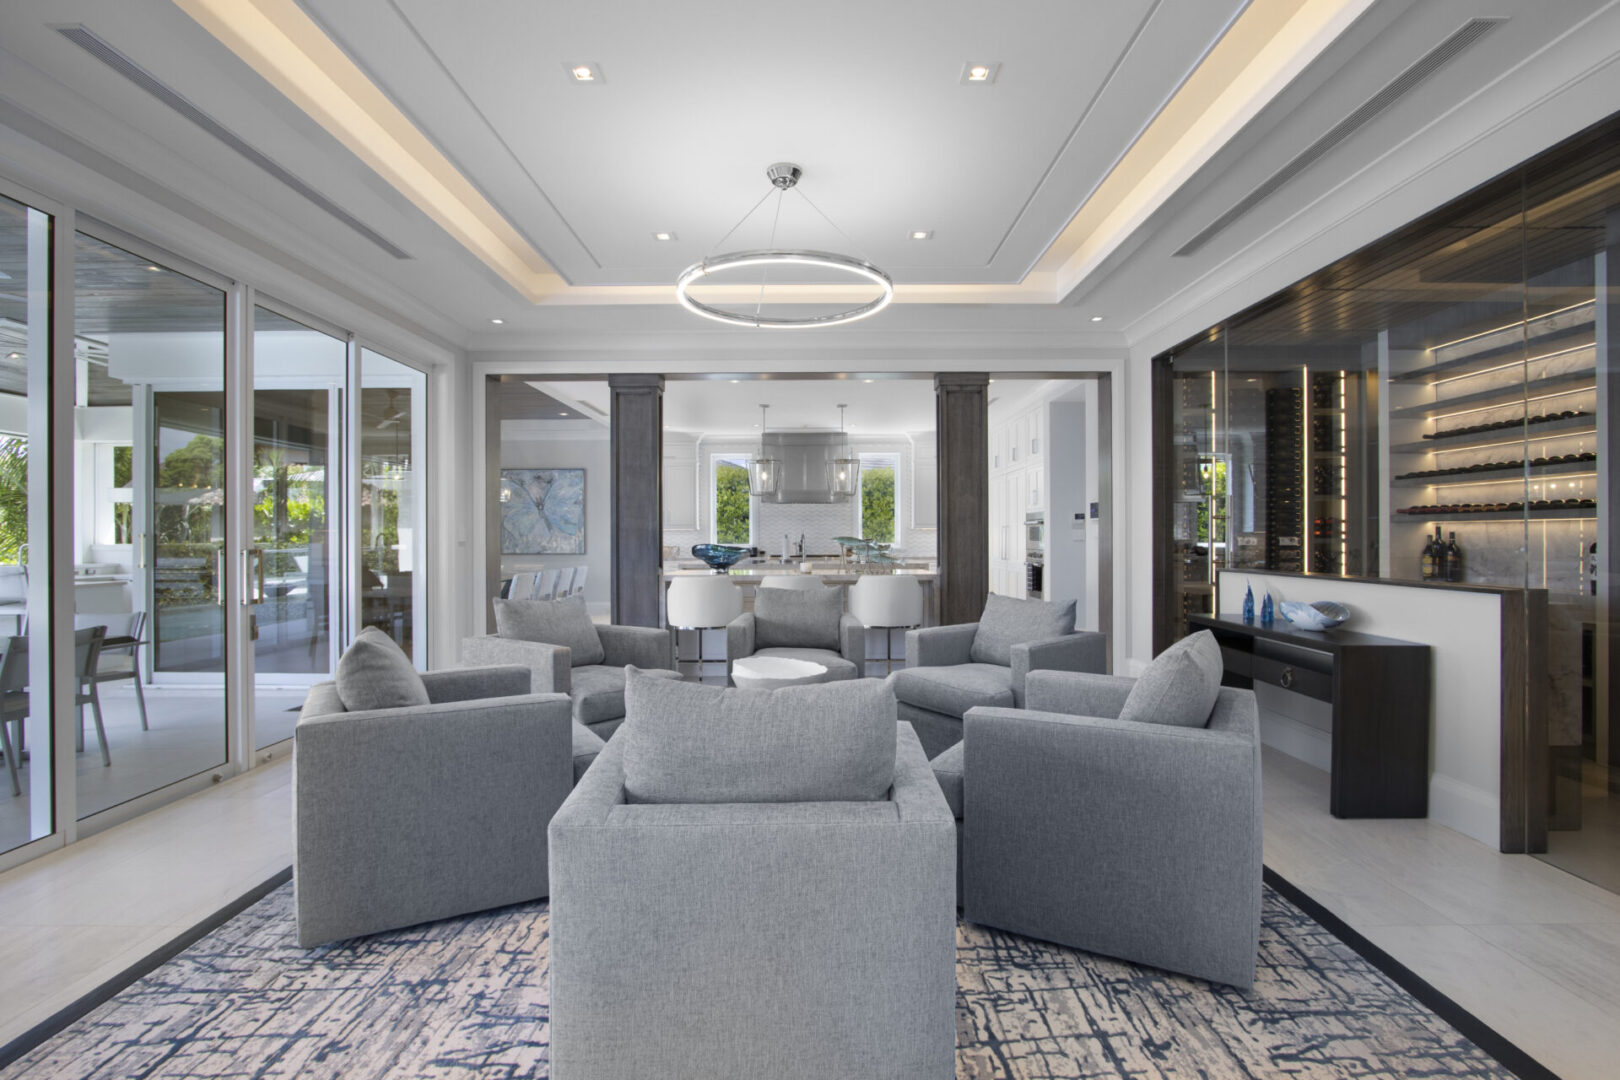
x,y
80,915
1532,951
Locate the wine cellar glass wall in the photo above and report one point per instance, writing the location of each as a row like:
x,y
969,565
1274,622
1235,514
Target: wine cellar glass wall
x,y
1438,406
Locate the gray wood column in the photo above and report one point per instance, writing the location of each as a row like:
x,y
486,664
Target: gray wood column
x,y
638,538
962,429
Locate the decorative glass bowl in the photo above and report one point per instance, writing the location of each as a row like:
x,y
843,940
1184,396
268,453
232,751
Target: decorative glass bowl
x,y
718,557
1320,615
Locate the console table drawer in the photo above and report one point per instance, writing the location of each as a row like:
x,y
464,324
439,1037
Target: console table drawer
x,y
1301,680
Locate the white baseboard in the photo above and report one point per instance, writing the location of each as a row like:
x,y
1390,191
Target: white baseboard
x,y
1295,739
1474,812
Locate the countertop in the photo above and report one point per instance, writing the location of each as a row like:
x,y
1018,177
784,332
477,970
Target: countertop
x,y
753,575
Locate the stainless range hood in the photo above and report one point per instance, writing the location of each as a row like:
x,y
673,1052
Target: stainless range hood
x,y
805,456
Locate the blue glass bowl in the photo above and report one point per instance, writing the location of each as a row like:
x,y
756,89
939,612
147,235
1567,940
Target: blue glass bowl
x,y
718,557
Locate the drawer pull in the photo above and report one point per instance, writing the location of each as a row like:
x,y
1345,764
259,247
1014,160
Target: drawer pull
x,y
1287,679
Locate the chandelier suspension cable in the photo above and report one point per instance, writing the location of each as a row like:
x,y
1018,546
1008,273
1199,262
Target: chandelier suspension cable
x,y
716,245
834,224
765,271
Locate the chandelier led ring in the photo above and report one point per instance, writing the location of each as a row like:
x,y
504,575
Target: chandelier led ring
x,y
741,260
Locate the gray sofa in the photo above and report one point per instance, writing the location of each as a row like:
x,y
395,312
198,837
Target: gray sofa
x,y
405,815
595,690
1135,840
800,624
951,669
739,940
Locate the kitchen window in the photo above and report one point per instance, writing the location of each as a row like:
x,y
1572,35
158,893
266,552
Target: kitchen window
x,y
879,498
728,491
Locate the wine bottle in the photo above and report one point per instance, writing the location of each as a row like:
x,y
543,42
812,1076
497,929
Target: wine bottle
x,y
1428,560
1454,560
1440,570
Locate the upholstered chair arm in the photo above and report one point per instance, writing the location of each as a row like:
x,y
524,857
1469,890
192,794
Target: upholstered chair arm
x,y
1082,651
645,647
940,646
852,640
1077,694
549,664
469,684
739,638
1194,812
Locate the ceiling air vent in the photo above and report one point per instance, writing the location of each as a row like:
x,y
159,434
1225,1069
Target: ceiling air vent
x,y
1404,83
126,67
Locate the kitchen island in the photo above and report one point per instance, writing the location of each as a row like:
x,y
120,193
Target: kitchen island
x,y
749,575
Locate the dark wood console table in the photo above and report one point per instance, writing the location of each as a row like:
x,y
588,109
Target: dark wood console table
x,y
1379,690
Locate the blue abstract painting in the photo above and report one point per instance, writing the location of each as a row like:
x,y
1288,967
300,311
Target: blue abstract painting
x,y
542,511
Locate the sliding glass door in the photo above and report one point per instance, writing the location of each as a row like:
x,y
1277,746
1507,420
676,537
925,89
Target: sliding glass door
x,y
151,489
26,805
298,379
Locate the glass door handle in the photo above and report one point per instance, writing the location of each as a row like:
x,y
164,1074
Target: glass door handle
x,y
252,589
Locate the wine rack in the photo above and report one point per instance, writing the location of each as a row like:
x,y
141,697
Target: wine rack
x,y
1285,471
1328,498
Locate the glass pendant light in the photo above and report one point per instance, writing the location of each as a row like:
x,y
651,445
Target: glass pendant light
x,y
843,471
764,472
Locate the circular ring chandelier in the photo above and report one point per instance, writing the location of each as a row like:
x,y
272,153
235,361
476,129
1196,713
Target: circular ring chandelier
x,y
784,176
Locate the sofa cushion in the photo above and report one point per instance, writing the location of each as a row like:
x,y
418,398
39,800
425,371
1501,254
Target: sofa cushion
x,y
948,771
552,622
955,689
1007,622
598,691
375,673
688,743
797,618
1180,686
837,667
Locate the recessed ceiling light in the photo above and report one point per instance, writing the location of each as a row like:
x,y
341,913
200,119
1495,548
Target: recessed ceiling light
x,y
980,72
498,322
585,71
14,356
736,380
562,412
663,236
155,269
921,234
866,380
1096,318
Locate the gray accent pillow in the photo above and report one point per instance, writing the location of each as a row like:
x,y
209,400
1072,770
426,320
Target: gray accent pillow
x,y
1007,622
1180,686
375,673
688,743
552,622
798,618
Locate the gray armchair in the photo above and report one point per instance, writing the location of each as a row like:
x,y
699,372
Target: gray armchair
x,y
951,669
596,690
800,624
406,815
812,939
1134,840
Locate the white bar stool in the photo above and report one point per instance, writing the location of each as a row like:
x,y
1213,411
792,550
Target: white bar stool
x,y
790,581
700,603
887,603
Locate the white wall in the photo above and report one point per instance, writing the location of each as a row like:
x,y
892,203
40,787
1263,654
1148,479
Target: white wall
x,y
1463,629
568,444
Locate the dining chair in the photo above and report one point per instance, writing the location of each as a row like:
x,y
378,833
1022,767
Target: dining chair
x,y
791,581
579,580
546,588
522,587
565,583
121,653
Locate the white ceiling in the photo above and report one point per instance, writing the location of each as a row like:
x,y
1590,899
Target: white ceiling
x,y
698,99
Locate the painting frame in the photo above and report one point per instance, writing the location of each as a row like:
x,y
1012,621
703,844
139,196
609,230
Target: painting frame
x,y
542,511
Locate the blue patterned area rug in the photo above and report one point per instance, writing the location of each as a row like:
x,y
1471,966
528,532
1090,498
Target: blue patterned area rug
x,y
467,997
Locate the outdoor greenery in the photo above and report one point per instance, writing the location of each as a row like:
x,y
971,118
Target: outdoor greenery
x,y
730,503
877,503
200,466
13,500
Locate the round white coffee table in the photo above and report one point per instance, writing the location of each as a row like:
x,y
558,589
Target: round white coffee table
x,y
775,672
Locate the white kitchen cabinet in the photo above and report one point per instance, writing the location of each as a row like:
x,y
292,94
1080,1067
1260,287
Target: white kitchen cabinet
x,y
998,448
1015,444
1035,435
680,495
925,491
1035,488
